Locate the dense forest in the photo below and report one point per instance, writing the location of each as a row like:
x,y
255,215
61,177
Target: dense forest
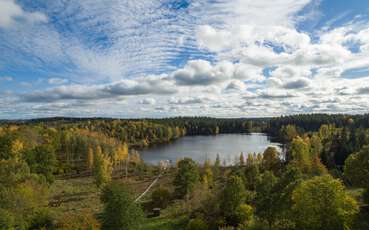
x,y
322,182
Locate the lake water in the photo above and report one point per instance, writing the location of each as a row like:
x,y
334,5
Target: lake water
x,y
199,148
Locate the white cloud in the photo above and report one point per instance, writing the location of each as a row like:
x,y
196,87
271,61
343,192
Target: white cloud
x,y
11,12
6,78
148,101
57,81
237,57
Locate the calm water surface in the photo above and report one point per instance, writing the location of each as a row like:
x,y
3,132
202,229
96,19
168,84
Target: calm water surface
x,y
228,146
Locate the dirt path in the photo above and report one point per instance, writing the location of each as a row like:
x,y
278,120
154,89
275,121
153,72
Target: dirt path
x,y
148,188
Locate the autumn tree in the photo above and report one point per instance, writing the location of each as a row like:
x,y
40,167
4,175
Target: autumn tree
x,y
322,203
271,160
242,159
207,175
252,172
102,169
22,194
90,158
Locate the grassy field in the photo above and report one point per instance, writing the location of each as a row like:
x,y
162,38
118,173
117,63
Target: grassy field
x,y
80,195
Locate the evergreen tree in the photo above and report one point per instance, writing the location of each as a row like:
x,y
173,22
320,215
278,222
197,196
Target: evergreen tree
x,y
120,211
186,178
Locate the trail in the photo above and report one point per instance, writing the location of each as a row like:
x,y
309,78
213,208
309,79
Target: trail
x,y
148,188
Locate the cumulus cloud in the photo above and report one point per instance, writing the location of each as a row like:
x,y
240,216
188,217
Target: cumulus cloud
x,y
363,90
203,73
206,55
297,83
236,85
95,92
11,13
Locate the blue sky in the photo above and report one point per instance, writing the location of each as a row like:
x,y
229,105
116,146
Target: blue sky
x,y
158,58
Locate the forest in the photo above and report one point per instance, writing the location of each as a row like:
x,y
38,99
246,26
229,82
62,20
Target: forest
x,y
86,173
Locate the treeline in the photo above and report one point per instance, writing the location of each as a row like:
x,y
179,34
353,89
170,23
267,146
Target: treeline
x,y
211,126
62,151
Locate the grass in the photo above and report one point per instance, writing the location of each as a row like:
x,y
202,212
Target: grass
x,y
80,195
165,223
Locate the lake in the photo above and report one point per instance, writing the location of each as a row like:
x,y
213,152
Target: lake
x,y
199,148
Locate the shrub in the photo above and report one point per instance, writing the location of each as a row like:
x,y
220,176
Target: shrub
x,y
196,224
160,197
41,219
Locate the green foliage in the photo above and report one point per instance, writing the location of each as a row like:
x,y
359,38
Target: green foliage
x,y
232,197
357,168
120,210
7,220
197,224
41,219
252,172
160,197
321,203
266,198
244,214
21,193
42,160
186,178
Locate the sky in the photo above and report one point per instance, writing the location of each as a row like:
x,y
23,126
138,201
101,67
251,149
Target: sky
x,y
162,58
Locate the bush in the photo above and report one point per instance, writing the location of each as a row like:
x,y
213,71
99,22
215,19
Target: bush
x,y
78,222
41,219
244,213
7,220
196,224
160,197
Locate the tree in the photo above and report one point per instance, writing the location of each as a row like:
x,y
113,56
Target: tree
x,y
102,169
217,165
266,198
160,197
242,159
322,203
316,146
252,174
207,175
186,178
300,154
289,132
90,158
357,170
120,211
271,160
22,193
232,197
196,224
42,160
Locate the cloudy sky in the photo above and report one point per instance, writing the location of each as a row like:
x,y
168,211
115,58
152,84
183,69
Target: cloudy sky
x,y
159,58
